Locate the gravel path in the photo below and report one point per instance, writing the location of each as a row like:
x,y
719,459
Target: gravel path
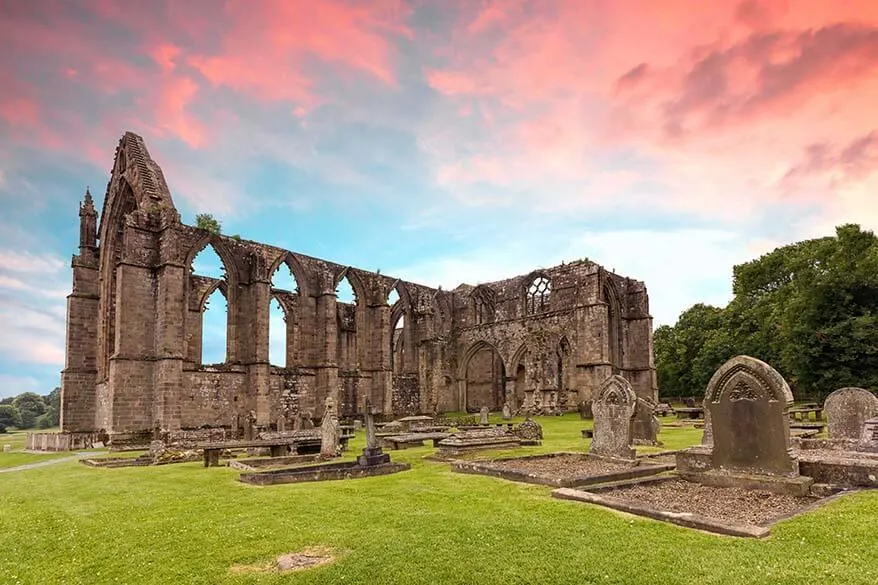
x,y
43,463
729,504
560,466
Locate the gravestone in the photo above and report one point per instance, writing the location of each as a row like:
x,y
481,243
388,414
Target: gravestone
x,y
483,416
330,430
250,428
645,424
507,411
747,400
282,424
613,409
847,410
869,436
372,454
585,410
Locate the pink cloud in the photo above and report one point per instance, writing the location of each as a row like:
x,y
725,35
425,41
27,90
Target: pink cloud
x,y
722,101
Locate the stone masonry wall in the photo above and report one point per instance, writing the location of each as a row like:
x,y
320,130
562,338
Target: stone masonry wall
x,y
135,328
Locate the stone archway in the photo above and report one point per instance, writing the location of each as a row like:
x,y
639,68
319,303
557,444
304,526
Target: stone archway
x,y
484,377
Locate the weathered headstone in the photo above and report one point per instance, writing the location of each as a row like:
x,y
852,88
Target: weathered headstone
x,y
507,411
747,400
613,409
372,454
585,410
869,436
847,410
282,424
330,430
483,415
645,424
7,448
250,430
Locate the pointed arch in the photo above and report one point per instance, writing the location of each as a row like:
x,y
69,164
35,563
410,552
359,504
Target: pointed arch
x,y
198,323
222,250
119,203
300,274
614,326
355,282
483,304
484,375
400,333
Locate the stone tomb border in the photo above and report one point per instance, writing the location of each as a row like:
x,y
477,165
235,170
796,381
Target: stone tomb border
x,y
597,494
497,468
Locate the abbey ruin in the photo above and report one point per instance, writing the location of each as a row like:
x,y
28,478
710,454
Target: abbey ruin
x,y
543,341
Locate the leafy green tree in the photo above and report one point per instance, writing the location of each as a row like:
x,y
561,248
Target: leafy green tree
x,y
53,407
30,406
9,416
809,309
45,421
207,222
831,323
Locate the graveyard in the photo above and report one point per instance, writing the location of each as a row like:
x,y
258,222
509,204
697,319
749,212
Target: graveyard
x,y
71,523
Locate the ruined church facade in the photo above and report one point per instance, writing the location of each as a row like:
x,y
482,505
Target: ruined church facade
x,y
544,341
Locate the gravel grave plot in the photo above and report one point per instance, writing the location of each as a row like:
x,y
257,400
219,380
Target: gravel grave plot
x,y
560,466
738,505
823,454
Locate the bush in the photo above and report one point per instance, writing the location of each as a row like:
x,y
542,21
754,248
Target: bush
x,y
2,429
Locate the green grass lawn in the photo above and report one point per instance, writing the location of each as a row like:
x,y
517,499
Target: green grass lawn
x,y
15,457
185,524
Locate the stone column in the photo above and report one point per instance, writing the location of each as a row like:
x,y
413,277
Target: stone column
x,y
131,365
259,298
170,311
326,350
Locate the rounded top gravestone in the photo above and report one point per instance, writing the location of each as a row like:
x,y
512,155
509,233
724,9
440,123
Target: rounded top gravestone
x,y
613,409
748,401
847,410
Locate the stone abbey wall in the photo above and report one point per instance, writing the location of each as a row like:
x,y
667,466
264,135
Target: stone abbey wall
x,y
545,340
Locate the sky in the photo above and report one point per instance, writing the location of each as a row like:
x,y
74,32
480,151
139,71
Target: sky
x,y
440,141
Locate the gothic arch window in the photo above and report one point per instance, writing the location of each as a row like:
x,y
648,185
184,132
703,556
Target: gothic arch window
x,y
538,295
208,269
483,305
614,328
282,342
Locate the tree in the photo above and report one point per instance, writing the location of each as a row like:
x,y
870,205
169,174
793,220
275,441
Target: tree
x,y
9,416
53,407
207,222
810,309
30,406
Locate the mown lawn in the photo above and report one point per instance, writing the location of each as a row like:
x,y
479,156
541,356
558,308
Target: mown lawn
x,y
71,524
15,457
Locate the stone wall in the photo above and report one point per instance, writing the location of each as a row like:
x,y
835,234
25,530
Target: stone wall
x,y
134,356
